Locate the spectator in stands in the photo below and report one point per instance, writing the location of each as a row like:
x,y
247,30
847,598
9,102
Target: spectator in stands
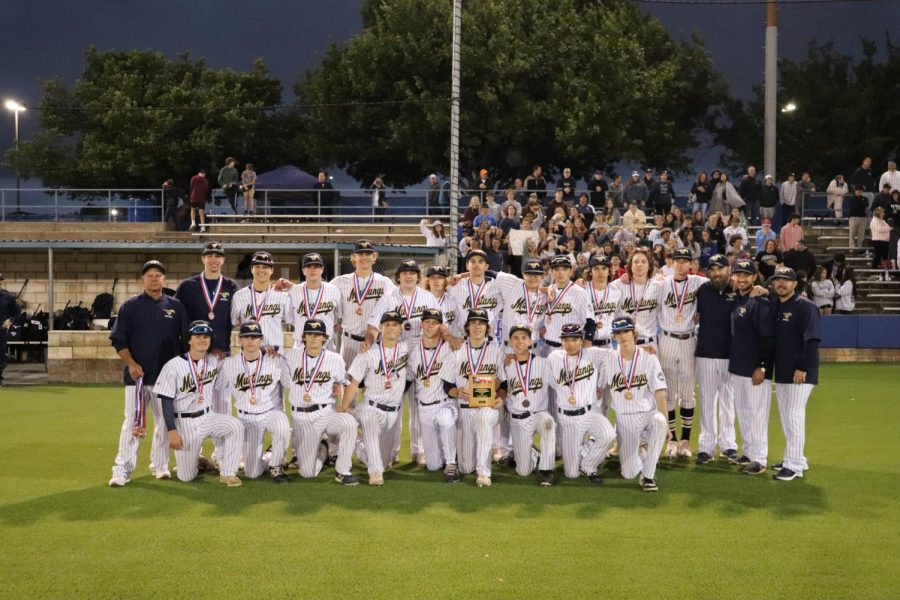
x,y
764,234
484,217
891,176
835,193
598,187
586,209
701,192
325,195
520,191
845,292
768,199
535,183
197,196
473,210
568,184
708,248
802,283
509,221
862,176
655,234
736,247
9,310
636,191
171,197
881,237
805,187
616,192
749,190
648,180
634,219
511,201
379,196
822,290
799,258
689,242
716,230
769,258
248,188
735,229
228,181
834,266
790,233
483,184
611,215
883,200
436,238
895,208
433,197
735,213
724,197
557,202
858,206
662,196
497,256
492,206
788,194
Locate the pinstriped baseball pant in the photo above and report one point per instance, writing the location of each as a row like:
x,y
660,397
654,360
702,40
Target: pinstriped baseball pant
x,y
255,427
752,404
437,424
308,430
716,406
677,360
376,425
572,430
126,458
227,433
792,400
475,438
522,432
630,429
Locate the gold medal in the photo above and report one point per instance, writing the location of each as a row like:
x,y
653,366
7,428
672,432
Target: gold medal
x,y
252,399
211,315
629,395
572,400
526,403
359,310
387,385
426,382
679,318
307,397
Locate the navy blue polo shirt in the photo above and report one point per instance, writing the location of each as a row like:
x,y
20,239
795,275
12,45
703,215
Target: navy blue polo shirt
x,y
9,308
151,330
714,308
797,339
751,322
191,295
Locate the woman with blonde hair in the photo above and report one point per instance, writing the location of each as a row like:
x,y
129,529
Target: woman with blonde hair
x,y
436,238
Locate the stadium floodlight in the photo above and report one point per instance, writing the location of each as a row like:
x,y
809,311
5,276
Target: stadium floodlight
x,y
789,107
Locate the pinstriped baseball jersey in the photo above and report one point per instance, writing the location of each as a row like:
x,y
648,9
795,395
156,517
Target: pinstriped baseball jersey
x,y
569,304
583,371
641,302
177,381
456,368
296,380
415,371
675,293
648,378
415,303
605,306
324,303
518,301
274,308
489,294
449,309
236,375
537,396
380,285
369,369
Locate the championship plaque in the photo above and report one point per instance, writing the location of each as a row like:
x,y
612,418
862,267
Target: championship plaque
x,y
482,390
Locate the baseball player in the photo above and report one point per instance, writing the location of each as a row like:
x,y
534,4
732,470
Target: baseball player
x,y
310,375
750,366
478,290
437,414
640,296
566,303
638,387
360,292
477,356
715,302
797,340
382,368
147,334
184,389
523,301
314,298
605,300
575,378
436,283
253,379
261,302
677,344
527,402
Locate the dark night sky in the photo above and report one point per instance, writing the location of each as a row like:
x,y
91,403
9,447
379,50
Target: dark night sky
x,y
45,38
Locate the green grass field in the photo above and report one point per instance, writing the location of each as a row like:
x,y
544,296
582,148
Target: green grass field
x,y
710,532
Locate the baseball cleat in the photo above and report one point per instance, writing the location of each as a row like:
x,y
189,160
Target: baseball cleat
x,y
420,459
547,478
348,480
230,480
777,466
704,459
785,474
376,479
754,468
278,475
648,484
671,450
684,448
743,459
483,481
451,474
729,454
119,481
204,464
594,478
163,474
292,464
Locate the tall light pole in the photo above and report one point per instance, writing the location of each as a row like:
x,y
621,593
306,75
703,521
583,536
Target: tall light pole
x,y
771,89
16,108
454,131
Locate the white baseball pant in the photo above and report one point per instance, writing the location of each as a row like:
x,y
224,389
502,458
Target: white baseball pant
x,y
255,427
752,404
376,425
349,349
522,432
677,360
307,433
221,405
437,425
792,400
501,433
227,433
475,439
631,430
572,430
716,406
126,457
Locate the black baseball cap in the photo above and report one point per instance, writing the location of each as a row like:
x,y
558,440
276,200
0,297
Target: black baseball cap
x,y
312,259
250,328
744,266
315,326
261,257
433,314
391,316
561,260
520,327
363,246
476,253
213,248
408,265
622,324
572,330
437,270
682,254
153,264
533,267
718,260
784,273
477,314
599,260
200,328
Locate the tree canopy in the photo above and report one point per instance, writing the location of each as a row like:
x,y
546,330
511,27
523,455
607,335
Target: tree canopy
x,y
847,109
567,83
135,118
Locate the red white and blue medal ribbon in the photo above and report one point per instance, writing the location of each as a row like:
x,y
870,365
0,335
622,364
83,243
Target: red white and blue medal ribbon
x,y
388,368
310,380
475,296
531,306
310,314
211,301
408,308
679,297
253,377
570,375
475,366
428,364
632,371
361,292
525,377
140,409
197,376
598,304
258,308
636,303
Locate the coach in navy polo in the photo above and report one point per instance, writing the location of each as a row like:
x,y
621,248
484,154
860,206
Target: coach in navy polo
x,y
147,334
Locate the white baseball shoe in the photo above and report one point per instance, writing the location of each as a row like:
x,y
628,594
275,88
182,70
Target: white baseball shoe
x,y
684,448
376,479
671,450
483,481
230,480
420,459
119,481
163,474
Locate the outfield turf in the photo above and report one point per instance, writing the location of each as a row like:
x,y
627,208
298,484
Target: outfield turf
x,y
709,533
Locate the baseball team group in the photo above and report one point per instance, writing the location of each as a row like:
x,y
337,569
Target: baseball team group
x,y
492,367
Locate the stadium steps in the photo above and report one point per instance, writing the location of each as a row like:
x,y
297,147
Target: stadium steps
x,y
79,231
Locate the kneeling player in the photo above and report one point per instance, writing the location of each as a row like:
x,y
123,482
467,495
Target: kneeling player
x,y
253,379
638,389
382,368
310,375
528,384
437,413
185,388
